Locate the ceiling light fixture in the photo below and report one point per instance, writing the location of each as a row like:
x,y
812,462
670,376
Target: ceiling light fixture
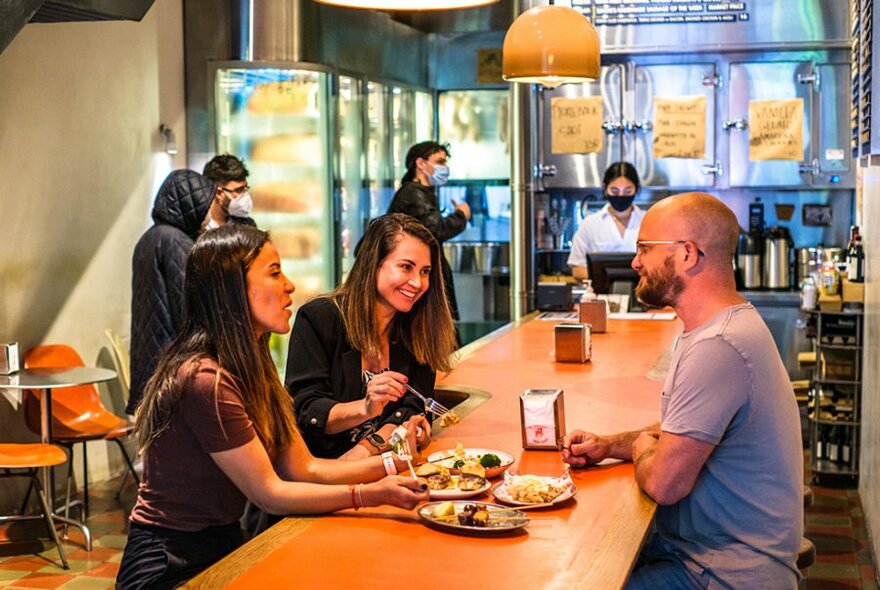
x,y
408,4
551,45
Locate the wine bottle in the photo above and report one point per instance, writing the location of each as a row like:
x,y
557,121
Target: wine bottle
x,y
855,257
833,444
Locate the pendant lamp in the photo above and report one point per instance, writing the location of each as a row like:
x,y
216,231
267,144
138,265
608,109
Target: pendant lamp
x,y
408,4
551,45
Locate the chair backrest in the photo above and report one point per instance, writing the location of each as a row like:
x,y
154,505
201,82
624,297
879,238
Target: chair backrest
x,y
69,404
122,360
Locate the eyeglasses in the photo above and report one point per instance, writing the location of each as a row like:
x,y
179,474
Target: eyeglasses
x,y
235,191
643,245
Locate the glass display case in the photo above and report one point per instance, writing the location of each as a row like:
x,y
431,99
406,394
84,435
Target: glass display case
x,y
277,120
350,169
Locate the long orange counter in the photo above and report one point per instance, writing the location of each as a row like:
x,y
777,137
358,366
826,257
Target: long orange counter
x,y
590,541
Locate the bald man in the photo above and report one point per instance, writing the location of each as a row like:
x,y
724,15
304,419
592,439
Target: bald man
x,y
725,462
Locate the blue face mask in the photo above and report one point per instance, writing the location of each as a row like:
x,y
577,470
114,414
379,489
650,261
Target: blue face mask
x,y
440,175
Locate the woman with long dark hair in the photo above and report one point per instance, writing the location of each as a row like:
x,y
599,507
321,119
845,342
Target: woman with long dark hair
x,y
614,227
216,426
390,319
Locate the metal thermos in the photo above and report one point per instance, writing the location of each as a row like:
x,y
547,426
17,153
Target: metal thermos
x,y
778,250
748,260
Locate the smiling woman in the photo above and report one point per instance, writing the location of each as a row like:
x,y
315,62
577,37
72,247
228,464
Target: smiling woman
x,y
391,317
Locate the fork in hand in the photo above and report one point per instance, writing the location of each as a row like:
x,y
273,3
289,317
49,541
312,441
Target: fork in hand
x,y
401,447
431,404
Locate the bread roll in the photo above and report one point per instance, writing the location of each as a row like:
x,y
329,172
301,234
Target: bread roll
x,y
291,148
290,97
304,196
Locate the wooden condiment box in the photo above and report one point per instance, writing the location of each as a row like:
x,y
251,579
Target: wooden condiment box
x,y
572,343
593,313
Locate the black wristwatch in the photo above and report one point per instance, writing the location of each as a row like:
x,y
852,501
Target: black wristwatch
x,y
377,441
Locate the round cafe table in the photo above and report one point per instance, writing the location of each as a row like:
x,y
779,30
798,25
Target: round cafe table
x,y
47,379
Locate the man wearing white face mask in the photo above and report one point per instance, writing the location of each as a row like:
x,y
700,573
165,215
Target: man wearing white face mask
x,y
232,198
426,169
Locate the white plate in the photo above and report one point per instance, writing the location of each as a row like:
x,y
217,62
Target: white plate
x,y
500,492
510,519
457,494
447,458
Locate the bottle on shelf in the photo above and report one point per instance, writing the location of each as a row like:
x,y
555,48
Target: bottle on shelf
x,y
855,257
833,449
845,444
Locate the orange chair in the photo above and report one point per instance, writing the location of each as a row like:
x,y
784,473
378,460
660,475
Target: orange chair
x,y
29,457
78,415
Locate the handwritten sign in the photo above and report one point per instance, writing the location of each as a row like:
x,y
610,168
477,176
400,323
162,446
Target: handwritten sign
x,y
576,125
489,66
776,129
680,127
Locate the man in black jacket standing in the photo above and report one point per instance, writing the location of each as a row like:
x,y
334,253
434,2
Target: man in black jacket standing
x,y
426,170
179,214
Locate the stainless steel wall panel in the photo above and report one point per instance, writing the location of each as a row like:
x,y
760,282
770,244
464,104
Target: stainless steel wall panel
x,y
584,170
452,60
765,81
832,117
674,80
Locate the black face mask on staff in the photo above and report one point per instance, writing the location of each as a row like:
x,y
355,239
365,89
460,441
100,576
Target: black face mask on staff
x,y
620,204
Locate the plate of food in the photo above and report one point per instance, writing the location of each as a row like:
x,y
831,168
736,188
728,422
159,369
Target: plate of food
x,y
465,517
442,485
522,490
494,462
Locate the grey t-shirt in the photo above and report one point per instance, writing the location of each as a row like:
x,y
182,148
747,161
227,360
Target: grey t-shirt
x,y
743,521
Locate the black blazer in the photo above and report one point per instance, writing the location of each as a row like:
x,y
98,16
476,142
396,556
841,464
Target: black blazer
x,y
323,369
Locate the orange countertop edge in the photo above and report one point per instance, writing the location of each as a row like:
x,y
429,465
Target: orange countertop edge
x,y
590,541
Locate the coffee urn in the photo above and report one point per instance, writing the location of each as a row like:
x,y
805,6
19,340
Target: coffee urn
x,y
778,251
748,260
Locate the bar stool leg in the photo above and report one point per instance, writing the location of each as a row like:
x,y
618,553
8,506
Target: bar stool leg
x,y
50,524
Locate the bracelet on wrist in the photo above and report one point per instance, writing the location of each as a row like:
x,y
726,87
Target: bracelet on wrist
x,y
359,489
354,503
388,462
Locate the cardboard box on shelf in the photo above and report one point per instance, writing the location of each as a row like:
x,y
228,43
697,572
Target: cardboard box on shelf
x,y
852,292
830,302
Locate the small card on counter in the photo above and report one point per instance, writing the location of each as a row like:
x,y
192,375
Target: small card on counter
x,y
542,413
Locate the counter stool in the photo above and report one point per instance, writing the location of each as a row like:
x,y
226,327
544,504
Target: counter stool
x,y
23,460
807,554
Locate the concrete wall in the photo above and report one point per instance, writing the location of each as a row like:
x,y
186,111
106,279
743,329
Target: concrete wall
x,y
81,159
869,464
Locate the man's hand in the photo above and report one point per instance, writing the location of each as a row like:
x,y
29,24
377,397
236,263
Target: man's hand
x,y
580,448
463,207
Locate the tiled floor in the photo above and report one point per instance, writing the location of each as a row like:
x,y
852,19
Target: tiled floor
x,y
835,524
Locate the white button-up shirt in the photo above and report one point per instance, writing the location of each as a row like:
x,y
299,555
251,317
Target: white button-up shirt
x,y
599,233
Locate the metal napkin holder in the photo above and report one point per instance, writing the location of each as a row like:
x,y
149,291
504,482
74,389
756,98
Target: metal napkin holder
x,y
9,358
542,415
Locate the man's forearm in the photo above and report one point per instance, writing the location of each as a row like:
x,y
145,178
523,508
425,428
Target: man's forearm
x,y
620,445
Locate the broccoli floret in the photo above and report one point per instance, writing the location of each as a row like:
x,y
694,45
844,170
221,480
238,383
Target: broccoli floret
x,y
490,460
458,463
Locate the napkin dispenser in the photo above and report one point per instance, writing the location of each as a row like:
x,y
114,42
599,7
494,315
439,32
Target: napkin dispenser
x,y
542,414
9,358
594,313
573,343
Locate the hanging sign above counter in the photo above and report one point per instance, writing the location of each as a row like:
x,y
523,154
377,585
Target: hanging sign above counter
x,y
616,12
680,127
576,125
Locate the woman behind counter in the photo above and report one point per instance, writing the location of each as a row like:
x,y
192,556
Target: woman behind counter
x,y
216,426
615,227
390,317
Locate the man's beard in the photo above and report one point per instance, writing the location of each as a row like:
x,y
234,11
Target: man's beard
x,y
661,288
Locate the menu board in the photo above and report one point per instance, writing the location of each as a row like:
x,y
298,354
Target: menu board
x,y
776,129
680,127
648,12
576,125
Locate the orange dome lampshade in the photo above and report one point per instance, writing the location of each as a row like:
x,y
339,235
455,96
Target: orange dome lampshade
x,y
408,4
551,45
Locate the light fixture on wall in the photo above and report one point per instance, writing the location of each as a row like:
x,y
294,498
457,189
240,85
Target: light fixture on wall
x,y
551,45
170,139
408,4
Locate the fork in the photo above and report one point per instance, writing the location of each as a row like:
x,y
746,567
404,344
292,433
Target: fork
x,y
431,404
401,446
